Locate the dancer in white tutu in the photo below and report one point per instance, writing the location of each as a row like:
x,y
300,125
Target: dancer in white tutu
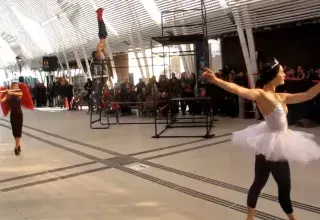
x,y
272,141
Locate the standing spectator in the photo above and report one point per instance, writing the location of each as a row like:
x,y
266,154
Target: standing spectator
x,y
140,85
69,94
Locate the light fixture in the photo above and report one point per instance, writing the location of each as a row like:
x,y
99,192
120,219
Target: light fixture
x,y
35,31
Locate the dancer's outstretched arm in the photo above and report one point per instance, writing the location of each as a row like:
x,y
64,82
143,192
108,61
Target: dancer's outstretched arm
x,y
3,99
252,94
302,96
15,93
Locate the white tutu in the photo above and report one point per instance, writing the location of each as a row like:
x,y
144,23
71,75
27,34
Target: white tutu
x,y
276,142
277,145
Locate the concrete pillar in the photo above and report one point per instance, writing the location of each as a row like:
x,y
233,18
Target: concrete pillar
x,y
60,63
184,61
146,63
67,64
250,38
244,47
141,68
121,62
110,55
175,65
252,50
246,55
190,60
79,64
88,75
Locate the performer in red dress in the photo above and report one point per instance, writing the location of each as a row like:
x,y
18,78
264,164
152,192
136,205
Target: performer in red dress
x,y
11,101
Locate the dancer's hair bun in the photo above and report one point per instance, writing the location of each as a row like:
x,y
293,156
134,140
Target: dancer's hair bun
x,y
268,71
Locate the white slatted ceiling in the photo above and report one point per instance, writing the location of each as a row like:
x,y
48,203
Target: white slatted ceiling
x,y
13,26
284,11
77,24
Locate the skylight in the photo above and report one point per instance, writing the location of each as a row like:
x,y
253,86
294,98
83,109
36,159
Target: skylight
x,y
35,31
7,56
152,10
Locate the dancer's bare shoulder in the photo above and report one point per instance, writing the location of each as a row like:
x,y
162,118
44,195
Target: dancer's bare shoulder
x,y
252,94
265,96
267,102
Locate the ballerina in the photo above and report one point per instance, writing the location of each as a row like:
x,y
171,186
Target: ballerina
x,y
11,101
275,145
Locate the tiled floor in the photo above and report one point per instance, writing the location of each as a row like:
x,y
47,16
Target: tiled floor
x,y
69,172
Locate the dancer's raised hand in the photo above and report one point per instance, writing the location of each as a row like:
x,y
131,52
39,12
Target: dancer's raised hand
x,y
209,75
252,94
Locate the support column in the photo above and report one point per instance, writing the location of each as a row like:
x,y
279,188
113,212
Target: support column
x,y
146,77
67,64
41,77
113,65
146,63
250,38
246,56
121,62
183,58
175,65
190,60
7,76
244,47
79,64
210,56
88,75
252,50
61,66
139,64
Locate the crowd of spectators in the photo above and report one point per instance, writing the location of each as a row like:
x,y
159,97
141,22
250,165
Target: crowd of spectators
x,y
142,95
58,93
301,73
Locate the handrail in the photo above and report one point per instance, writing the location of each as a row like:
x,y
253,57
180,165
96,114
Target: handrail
x,y
298,79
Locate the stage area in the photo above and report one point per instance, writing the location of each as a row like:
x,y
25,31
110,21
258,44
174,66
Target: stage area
x,y
68,171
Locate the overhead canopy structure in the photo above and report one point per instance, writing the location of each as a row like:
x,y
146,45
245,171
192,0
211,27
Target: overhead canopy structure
x,y
33,28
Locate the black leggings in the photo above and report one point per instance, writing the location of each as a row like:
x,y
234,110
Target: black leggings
x,y
16,121
280,172
102,30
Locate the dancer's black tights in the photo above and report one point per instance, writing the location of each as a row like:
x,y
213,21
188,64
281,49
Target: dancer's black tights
x,y
102,30
280,172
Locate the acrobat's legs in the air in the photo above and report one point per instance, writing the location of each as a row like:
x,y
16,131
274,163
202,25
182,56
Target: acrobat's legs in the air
x,y
101,52
102,35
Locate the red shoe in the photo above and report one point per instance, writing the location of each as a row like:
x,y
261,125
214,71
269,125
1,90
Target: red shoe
x,y
99,10
99,14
